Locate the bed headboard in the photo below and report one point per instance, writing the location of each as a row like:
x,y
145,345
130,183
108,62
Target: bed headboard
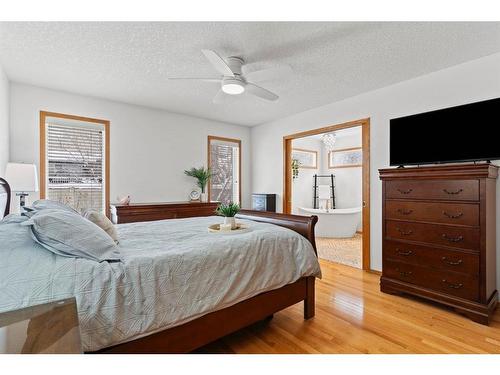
x,y
4,198
303,225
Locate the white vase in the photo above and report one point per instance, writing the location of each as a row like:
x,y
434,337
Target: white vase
x,y
204,197
230,220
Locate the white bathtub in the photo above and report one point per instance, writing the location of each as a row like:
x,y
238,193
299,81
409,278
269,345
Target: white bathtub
x,y
337,223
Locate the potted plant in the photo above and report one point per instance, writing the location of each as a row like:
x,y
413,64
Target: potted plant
x,y
229,211
202,176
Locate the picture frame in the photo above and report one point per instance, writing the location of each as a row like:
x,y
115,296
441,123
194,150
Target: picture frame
x,y
346,158
307,159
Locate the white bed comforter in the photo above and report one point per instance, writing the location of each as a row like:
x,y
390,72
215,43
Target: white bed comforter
x,y
173,271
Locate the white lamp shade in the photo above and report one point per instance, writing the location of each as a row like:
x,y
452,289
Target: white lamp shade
x,y
22,177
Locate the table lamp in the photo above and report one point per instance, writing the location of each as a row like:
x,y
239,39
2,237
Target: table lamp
x,y
22,179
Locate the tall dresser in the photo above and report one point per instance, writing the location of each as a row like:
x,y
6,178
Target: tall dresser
x,y
439,235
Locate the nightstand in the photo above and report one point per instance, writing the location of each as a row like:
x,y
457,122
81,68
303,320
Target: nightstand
x,y
51,328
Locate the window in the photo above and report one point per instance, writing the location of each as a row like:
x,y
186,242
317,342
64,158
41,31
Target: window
x,y
74,162
224,160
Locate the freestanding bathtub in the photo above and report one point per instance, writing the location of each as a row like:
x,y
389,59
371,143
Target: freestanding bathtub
x,y
336,223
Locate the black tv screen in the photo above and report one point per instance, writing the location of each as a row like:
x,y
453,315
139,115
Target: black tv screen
x,y
456,134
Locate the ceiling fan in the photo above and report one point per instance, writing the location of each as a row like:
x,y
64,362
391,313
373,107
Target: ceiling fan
x,y
234,80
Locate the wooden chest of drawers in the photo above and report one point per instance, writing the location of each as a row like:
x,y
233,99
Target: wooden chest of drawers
x,y
439,235
159,211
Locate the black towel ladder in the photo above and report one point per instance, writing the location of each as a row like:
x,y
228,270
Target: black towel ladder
x,y
332,189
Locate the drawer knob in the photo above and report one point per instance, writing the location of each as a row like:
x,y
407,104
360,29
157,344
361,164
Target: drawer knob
x,y
452,239
402,211
451,216
453,192
404,253
405,191
404,233
404,273
452,285
451,262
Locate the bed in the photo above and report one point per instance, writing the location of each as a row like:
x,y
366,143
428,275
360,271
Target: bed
x,y
178,286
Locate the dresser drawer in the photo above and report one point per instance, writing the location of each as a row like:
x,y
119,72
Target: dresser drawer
x,y
447,213
459,237
456,284
461,190
442,259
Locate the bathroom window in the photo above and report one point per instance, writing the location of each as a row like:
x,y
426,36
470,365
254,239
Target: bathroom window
x,y
224,160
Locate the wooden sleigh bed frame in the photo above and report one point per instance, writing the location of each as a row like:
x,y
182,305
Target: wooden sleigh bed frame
x,y
205,329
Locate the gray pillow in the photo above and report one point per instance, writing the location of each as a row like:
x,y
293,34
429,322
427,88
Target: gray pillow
x,y
71,235
44,204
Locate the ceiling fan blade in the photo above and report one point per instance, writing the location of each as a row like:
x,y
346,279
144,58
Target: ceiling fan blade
x,y
194,79
268,74
260,92
218,62
219,97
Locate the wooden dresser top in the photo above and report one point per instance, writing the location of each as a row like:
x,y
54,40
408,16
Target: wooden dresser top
x,y
482,170
159,204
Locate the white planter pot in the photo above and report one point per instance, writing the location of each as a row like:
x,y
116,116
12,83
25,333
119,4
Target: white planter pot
x,y
204,197
230,220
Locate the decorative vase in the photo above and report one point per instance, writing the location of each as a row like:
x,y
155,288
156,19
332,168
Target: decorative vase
x,y
230,220
204,197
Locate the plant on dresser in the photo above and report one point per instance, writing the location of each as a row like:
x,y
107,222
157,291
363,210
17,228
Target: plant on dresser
x,y
202,176
439,235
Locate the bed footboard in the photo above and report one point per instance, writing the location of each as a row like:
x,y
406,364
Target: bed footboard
x,y
303,225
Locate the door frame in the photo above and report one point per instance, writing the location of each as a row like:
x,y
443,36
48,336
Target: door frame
x,y
287,175
224,139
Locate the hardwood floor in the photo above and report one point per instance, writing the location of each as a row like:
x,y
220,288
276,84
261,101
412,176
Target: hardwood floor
x,y
353,316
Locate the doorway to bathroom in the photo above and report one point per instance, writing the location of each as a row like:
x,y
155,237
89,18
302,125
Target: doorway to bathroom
x,y
327,173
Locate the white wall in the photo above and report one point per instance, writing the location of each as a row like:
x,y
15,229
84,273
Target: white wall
x,y
348,181
4,121
472,81
302,186
149,148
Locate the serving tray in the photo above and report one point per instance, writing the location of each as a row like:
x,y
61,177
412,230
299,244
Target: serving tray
x,y
240,228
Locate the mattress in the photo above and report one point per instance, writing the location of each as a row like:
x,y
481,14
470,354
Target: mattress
x,y
173,271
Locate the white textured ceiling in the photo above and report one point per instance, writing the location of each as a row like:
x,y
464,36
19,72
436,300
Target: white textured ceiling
x,y
130,62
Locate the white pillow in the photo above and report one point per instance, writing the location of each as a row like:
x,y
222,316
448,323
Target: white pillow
x,y
102,222
71,235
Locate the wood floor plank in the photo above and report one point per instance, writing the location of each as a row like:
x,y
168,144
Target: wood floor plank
x,y
353,316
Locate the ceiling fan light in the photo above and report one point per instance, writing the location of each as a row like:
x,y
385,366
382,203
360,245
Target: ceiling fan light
x,y
233,88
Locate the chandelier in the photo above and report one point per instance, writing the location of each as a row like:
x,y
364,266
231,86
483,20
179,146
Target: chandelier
x,y
329,140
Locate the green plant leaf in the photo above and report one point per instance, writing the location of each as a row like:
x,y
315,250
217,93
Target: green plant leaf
x,y
227,210
201,174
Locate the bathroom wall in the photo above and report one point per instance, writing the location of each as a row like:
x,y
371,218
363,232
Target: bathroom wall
x,y
348,181
302,186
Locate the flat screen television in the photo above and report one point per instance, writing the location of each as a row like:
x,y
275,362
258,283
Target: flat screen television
x,y
457,134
